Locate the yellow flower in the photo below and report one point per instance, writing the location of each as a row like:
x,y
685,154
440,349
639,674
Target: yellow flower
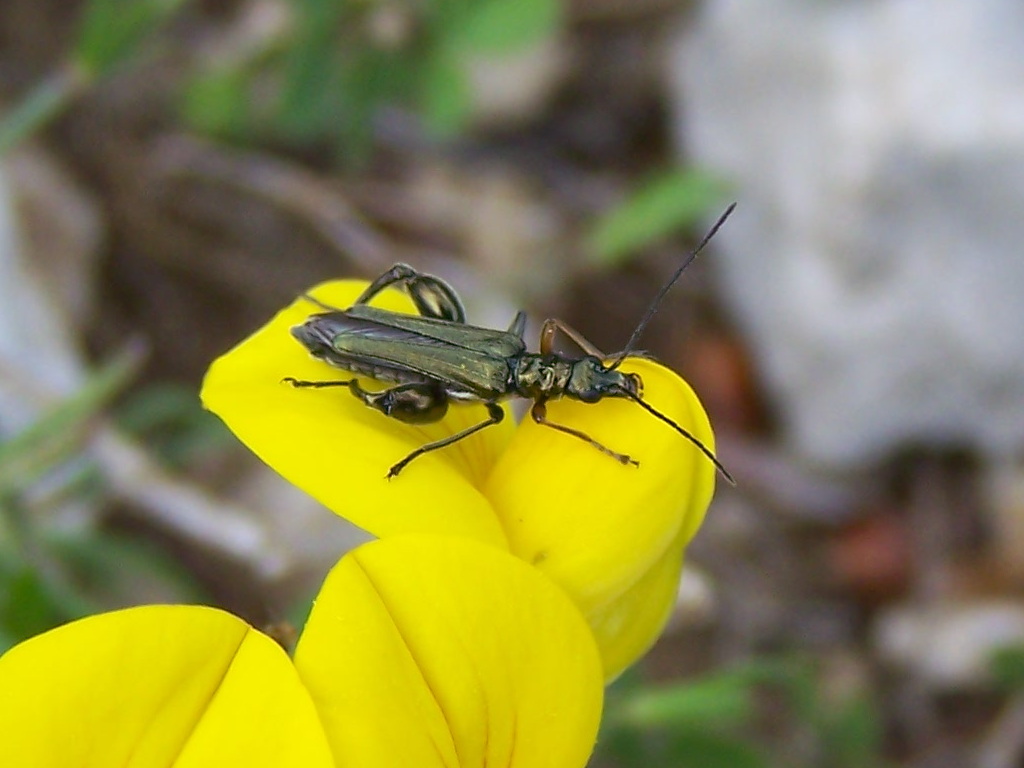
x,y
611,535
413,656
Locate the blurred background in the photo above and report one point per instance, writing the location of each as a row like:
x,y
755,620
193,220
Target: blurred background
x,y
174,171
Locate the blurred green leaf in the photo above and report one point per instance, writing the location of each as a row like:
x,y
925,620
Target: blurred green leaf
x,y
722,698
312,65
371,80
339,65
625,746
64,575
169,419
661,206
42,104
110,570
216,102
853,734
774,671
24,457
706,749
445,98
113,30
1007,668
501,26
30,604
800,684
710,722
715,700
110,32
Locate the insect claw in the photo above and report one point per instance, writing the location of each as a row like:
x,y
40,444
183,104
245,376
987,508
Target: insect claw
x,y
622,458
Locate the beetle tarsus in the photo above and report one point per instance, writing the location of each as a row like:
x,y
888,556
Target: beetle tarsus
x,y
303,384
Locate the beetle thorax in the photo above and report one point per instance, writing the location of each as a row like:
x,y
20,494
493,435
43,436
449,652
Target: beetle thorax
x,y
542,376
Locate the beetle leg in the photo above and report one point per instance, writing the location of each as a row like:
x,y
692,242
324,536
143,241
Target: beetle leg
x,y
518,324
432,296
539,412
411,403
552,326
495,415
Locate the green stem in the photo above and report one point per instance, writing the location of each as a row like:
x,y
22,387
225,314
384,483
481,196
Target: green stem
x,y
45,102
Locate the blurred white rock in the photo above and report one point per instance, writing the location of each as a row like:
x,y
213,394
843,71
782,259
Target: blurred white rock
x,y
513,89
876,261
49,235
696,604
948,646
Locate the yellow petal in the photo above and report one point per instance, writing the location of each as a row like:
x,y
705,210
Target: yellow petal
x,y
339,450
628,626
436,651
155,686
597,527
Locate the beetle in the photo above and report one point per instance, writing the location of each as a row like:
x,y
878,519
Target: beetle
x,y
435,357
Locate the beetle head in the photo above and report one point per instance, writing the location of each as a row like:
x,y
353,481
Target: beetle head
x,y
591,381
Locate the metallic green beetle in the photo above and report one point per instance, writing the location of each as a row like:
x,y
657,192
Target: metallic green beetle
x,y
435,357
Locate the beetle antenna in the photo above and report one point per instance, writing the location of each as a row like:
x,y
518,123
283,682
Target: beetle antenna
x,y
668,285
684,432
314,300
